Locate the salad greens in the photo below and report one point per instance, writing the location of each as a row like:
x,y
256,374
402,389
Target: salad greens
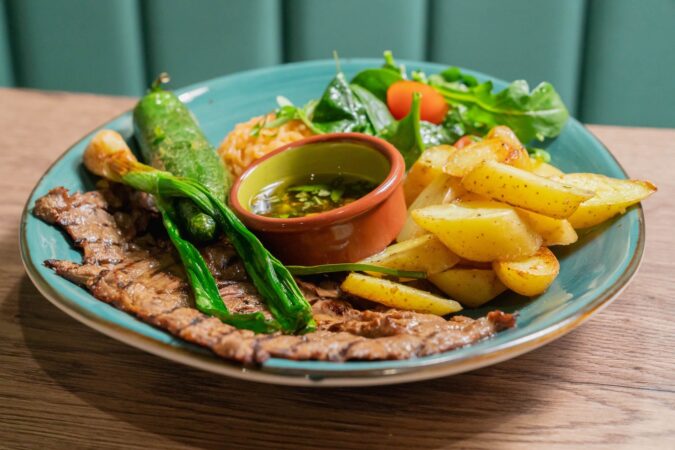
x,y
360,106
538,114
406,135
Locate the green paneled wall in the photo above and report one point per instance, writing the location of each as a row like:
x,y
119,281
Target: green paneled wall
x,y
629,73
532,39
612,60
196,40
81,45
6,73
314,28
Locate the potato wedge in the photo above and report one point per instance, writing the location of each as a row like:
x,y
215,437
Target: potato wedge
x,y
612,197
470,287
442,189
468,264
471,197
519,156
396,295
464,160
553,231
429,165
425,254
518,187
545,170
479,231
529,276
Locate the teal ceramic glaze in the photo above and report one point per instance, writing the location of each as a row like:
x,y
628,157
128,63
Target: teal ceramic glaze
x,y
593,271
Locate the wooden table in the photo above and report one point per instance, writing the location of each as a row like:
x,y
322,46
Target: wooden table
x,y
609,384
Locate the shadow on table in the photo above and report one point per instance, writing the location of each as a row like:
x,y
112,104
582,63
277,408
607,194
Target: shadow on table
x,y
207,410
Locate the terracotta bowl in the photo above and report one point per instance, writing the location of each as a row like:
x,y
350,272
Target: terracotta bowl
x,y
346,234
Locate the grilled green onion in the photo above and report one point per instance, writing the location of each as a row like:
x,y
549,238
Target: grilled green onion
x,y
109,156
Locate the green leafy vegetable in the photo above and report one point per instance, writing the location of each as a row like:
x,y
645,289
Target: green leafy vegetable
x,y
455,75
474,109
378,80
377,112
406,135
339,110
531,115
287,111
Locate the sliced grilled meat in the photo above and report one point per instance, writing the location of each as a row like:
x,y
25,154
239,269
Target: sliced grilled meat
x,y
140,274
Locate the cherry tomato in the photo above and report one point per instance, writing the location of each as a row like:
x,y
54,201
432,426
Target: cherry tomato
x,y
466,140
399,100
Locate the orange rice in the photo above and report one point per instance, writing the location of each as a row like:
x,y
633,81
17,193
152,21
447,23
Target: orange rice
x,y
240,148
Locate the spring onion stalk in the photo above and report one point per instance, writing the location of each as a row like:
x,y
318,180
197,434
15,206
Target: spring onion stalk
x,y
109,156
354,267
204,288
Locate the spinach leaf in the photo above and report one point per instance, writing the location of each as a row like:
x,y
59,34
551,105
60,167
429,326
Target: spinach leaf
x,y
406,135
538,114
338,109
377,81
377,112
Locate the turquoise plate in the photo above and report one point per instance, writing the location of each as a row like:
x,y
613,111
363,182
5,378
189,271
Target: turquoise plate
x,y
593,271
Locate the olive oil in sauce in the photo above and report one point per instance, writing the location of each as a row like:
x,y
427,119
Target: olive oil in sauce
x,y
310,195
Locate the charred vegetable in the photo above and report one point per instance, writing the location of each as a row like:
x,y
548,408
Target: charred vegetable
x,y
170,139
108,156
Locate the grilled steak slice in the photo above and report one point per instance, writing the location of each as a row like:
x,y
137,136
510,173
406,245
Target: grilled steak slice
x,y
140,274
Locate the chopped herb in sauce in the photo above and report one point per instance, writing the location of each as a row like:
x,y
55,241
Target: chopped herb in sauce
x,y
314,194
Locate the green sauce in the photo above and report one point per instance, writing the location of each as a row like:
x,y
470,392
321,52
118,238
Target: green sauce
x,y
317,193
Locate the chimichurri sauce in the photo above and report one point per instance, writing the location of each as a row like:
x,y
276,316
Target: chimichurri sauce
x,y
314,194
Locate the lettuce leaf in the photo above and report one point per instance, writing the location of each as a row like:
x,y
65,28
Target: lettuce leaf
x,y
538,114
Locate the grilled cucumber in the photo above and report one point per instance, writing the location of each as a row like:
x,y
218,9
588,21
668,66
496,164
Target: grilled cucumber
x,y
170,139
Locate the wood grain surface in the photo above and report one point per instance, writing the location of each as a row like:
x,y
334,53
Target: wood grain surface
x,y
609,384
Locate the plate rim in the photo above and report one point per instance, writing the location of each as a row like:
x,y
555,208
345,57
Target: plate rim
x,y
322,378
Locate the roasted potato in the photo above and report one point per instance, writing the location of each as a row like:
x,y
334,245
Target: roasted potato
x,y
429,165
442,189
470,287
464,160
612,197
425,254
396,295
468,264
529,276
518,187
471,197
553,231
480,231
545,170
519,156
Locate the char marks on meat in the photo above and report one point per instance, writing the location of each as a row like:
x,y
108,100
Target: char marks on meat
x,y
125,266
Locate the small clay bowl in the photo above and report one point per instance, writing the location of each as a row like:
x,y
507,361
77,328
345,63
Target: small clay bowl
x,y
345,234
